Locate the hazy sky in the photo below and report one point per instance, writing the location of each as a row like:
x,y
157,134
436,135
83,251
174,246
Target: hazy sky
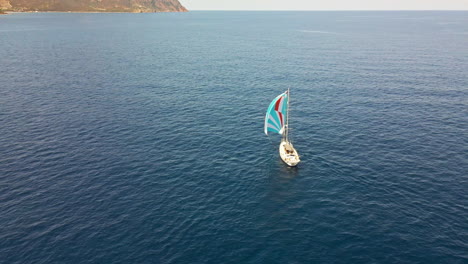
x,y
325,4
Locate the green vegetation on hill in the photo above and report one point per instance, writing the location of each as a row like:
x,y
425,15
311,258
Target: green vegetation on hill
x,y
135,6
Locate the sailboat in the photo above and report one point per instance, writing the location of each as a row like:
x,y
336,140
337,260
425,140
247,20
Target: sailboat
x,y
277,121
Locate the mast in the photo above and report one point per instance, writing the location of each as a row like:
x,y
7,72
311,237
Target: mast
x,y
287,119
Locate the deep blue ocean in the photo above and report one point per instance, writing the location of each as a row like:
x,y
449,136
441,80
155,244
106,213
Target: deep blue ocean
x,y
138,138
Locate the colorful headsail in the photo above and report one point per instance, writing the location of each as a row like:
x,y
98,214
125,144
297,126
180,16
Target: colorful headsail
x,y
275,119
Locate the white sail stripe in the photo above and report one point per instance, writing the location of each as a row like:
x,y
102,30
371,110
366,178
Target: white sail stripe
x,y
271,126
274,121
281,104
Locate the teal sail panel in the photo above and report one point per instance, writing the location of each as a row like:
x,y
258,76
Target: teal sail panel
x,y
275,118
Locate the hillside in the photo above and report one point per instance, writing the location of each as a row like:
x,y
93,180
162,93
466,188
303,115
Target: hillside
x,y
134,6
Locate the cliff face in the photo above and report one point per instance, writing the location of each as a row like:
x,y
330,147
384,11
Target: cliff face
x,y
93,5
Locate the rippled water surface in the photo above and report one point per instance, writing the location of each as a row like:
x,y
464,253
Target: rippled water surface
x,y
138,138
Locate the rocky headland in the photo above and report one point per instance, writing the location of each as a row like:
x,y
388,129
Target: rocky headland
x,y
132,6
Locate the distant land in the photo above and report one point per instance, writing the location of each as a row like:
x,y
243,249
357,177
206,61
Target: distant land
x,y
132,6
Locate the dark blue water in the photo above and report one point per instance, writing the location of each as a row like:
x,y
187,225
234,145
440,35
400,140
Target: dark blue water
x,y
138,138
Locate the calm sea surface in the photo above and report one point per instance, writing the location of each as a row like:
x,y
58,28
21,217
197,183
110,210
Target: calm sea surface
x,y
138,138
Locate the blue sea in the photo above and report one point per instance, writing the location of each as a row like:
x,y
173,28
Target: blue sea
x,y
138,138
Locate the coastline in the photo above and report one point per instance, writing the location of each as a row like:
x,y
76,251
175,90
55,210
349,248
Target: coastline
x,y
91,12
92,6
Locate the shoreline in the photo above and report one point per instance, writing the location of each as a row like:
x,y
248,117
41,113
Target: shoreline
x,y
7,12
91,12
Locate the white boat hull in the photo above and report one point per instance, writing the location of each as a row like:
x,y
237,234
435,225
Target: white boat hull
x,y
288,153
